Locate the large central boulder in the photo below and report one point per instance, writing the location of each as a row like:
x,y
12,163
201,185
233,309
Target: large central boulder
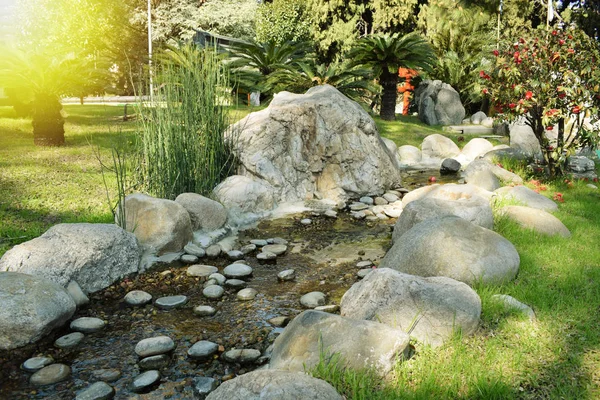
x,y
439,104
315,145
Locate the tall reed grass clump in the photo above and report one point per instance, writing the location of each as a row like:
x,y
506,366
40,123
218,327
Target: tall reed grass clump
x,y
181,138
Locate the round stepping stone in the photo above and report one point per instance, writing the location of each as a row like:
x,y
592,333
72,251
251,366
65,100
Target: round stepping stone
x,y
266,256
194,250
154,346
189,259
391,197
210,282
138,298
242,356
171,302
204,385
277,249
247,294
201,271
313,299
205,311
364,264
249,248
144,381
154,362
380,201
287,275
87,324
69,340
36,363
213,292
331,308
96,391
106,375
306,221
366,200
220,279
235,255
237,270
279,322
50,375
363,272
330,214
213,251
202,350
259,242
235,283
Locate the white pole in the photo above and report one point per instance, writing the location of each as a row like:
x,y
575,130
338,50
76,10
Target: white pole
x,y
550,12
150,51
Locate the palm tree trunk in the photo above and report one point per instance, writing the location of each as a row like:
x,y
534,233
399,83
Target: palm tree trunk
x,y
389,83
48,123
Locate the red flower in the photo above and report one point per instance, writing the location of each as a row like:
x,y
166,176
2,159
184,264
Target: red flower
x,y
522,40
562,95
496,53
549,128
528,95
485,91
558,197
512,105
571,51
516,45
570,37
576,110
554,33
482,74
561,42
516,54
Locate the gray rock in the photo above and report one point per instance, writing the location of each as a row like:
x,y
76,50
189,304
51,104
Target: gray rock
x,y
235,283
205,214
203,386
366,200
363,272
138,298
201,271
171,302
235,255
523,139
364,264
380,201
213,251
145,381
358,206
106,375
485,179
438,103
538,220
528,197
306,221
360,344
449,191
237,270
249,248
485,165
50,375
242,356
277,240
189,259
580,164
287,275
36,363
475,148
220,279
30,307
313,299
246,198
274,385
259,242
432,309
154,346
391,197
202,350
450,166
453,247
96,391
154,362
205,311
478,117
77,294
247,294
330,308
279,321
514,304
213,292
69,340
194,250
277,249
592,186
87,325
438,146
330,214
391,212
409,155
359,215
94,255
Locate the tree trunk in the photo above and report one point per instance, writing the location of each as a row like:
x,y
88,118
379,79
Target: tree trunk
x,y
389,83
48,123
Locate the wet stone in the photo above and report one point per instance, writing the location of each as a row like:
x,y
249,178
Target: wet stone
x,y
330,214
366,200
213,292
306,221
266,256
242,356
138,298
259,242
220,279
213,251
87,324
50,375
154,362
201,271
69,340
363,272
204,385
106,375
287,275
330,308
279,321
364,264
313,299
277,249
202,350
171,302
96,391
237,270
247,249
235,255
194,250
36,363
154,346
247,294
145,381
235,283
205,311
189,259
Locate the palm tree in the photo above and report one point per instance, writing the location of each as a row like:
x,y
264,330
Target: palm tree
x,y
384,54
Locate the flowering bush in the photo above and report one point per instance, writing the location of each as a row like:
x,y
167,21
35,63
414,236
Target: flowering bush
x,y
550,78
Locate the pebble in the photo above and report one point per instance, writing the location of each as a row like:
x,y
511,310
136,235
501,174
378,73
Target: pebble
x,y
380,201
237,270
106,375
279,240
279,321
358,206
189,259
202,350
359,215
201,271
205,311
391,197
166,272
36,363
287,275
235,283
363,272
213,292
220,279
213,251
138,298
87,324
171,302
247,294
241,356
204,385
154,362
194,250
306,221
210,282
330,308
235,255
50,374
378,210
96,391
402,190
154,346
277,249
381,216
266,256
366,200
313,299
393,212
364,264
330,214
259,242
144,381
70,340
247,249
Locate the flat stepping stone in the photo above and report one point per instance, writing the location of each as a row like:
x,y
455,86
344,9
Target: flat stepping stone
x,y
306,221
279,322
242,356
249,248
247,294
201,271
358,206
364,264
237,270
235,255
50,375
189,259
220,279
138,298
259,242
287,275
205,311
330,308
313,299
87,324
69,340
366,200
277,249
235,283
106,375
363,272
213,292
266,256
213,251
194,250
203,385
380,201
391,197
96,391
171,302
36,363
154,362
278,240
154,346
203,350
330,214
145,381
